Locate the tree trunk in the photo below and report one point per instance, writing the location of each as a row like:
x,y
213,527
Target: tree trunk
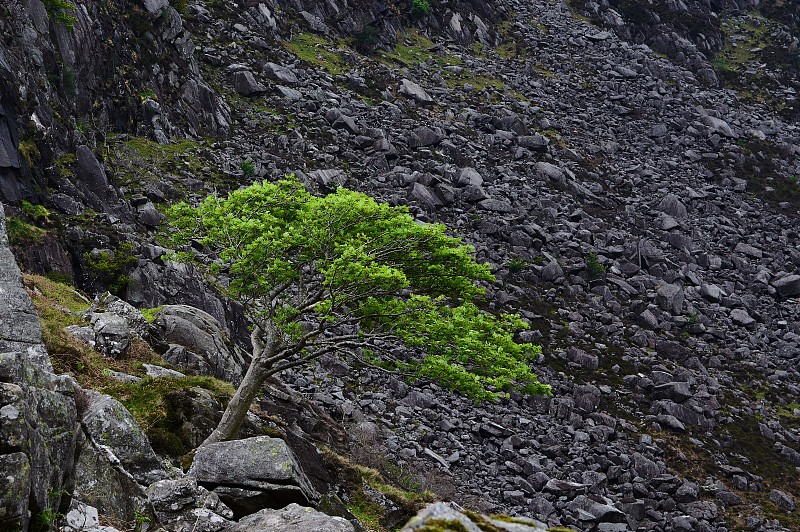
x,y
240,403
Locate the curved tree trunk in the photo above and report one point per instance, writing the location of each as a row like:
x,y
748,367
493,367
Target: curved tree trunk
x,y
235,412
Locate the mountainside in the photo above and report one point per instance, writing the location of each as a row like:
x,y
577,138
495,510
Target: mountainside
x,y
630,171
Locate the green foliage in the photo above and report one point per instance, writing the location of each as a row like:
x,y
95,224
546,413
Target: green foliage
x,y
296,260
420,8
37,212
29,151
595,268
181,6
517,264
21,233
61,12
65,163
150,313
108,267
248,168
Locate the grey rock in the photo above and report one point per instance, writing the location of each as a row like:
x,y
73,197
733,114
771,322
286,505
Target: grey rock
x,y
280,73
784,501
788,285
109,424
672,206
415,91
670,298
552,172
112,334
289,93
469,177
741,317
183,506
199,345
246,84
292,518
717,125
261,464
674,391
443,512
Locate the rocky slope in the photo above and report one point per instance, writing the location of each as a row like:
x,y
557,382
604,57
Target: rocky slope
x,y
643,219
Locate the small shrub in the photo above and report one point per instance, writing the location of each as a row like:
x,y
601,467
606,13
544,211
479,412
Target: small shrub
x,y
517,264
109,266
181,6
29,151
420,8
37,212
150,313
248,168
595,268
60,12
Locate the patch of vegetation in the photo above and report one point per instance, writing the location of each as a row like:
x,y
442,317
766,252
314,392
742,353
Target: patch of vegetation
x,y
150,314
413,48
369,512
366,40
443,525
420,8
61,12
154,403
148,94
248,168
181,6
137,161
22,233
29,151
594,267
65,164
517,264
109,267
37,212
319,51
59,305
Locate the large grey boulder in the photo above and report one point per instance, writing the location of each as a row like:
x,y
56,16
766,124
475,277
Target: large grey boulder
x,y
199,345
292,518
111,426
101,482
788,285
246,84
253,473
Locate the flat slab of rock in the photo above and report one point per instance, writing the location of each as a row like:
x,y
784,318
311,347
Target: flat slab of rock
x,y
261,464
292,518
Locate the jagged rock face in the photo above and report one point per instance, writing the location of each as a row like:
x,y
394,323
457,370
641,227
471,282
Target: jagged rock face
x,y
119,66
37,408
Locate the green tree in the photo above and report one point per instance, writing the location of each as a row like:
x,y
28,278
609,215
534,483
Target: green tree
x,y
344,274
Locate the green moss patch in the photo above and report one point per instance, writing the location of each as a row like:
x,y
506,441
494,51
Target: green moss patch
x,y
319,51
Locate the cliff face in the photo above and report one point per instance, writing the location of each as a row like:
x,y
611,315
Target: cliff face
x,y
72,77
640,212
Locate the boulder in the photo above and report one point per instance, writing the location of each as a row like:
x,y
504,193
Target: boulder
x,y
109,424
292,518
280,73
199,345
788,285
252,473
246,84
415,92
183,506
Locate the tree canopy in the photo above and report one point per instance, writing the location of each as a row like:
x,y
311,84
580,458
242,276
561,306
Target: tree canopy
x,y
345,274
